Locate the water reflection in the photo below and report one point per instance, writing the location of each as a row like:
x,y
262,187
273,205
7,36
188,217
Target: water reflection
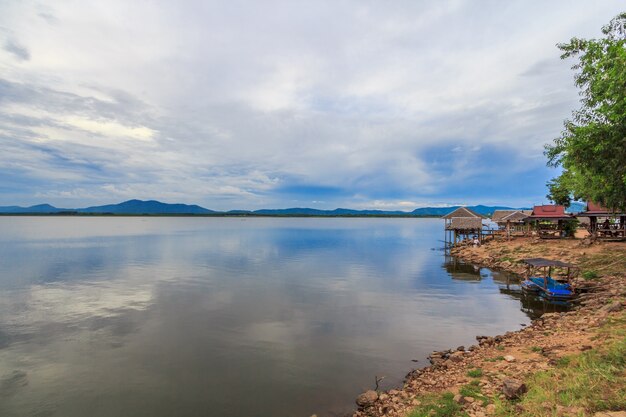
x,y
461,270
189,317
509,284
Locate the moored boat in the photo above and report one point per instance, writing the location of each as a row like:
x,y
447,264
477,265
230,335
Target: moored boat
x,y
544,284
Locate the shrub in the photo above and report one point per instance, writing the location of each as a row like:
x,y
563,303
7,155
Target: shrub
x,y
590,275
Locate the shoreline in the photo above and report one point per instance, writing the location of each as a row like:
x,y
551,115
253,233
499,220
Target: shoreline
x,y
490,365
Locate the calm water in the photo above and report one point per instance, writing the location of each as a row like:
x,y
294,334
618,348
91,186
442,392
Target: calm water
x,y
228,317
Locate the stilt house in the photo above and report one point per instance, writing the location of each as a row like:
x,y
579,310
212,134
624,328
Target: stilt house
x,y
549,220
462,224
511,221
603,223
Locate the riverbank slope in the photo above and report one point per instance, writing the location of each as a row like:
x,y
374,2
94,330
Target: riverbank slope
x,y
550,359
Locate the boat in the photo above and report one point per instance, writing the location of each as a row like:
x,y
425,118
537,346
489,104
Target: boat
x,y
548,287
544,284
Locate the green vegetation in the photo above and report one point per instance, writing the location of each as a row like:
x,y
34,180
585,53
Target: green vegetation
x,y
590,275
473,390
497,358
535,349
585,383
592,146
475,373
570,227
608,262
592,381
442,405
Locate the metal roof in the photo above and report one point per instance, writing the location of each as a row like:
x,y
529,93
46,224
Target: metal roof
x,y
541,262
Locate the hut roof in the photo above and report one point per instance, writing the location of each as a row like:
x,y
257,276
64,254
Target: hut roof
x,y
597,210
503,216
541,262
595,207
549,211
466,223
516,216
500,214
462,212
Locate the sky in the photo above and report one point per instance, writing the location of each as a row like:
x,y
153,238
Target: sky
x,y
275,104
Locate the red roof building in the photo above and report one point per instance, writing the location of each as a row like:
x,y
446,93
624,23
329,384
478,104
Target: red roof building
x,y
549,211
613,227
597,210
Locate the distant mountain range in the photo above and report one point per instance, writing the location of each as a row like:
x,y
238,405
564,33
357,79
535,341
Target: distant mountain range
x,y
127,207
152,207
146,207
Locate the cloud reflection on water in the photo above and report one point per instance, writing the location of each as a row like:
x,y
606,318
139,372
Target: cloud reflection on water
x,y
293,316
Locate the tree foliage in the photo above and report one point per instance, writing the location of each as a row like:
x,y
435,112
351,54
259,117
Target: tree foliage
x,y
592,146
558,190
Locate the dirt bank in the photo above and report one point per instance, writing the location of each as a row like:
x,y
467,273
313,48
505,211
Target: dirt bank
x,y
480,377
601,258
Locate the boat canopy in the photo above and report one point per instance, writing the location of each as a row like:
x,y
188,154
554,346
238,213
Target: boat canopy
x,y
542,262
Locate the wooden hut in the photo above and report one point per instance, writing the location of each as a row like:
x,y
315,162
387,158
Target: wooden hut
x,y
511,221
549,220
603,223
461,224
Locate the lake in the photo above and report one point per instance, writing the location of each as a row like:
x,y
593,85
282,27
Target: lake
x,y
181,316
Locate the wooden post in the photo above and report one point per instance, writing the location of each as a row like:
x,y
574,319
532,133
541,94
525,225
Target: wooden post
x,y
593,225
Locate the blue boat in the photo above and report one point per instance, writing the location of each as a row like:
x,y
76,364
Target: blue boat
x,y
548,288
545,285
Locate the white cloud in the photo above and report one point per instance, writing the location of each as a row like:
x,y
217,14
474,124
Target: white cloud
x,y
110,128
229,107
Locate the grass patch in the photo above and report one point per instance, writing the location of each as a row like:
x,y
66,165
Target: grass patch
x,y
470,390
508,259
473,390
535,349
588,382
475,373
615,327
592,381
608,262
589,275
564,361
500,348
442,405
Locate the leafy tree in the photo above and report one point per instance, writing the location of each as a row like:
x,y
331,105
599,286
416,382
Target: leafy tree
x,y
558,190
592,146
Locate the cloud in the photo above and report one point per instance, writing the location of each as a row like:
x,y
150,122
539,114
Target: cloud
x,y
110,128
233,107
20,52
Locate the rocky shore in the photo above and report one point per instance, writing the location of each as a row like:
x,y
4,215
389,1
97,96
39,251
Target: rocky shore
x,y
497,367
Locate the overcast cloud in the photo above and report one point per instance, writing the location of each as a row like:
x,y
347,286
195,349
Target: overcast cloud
x,y
232,104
